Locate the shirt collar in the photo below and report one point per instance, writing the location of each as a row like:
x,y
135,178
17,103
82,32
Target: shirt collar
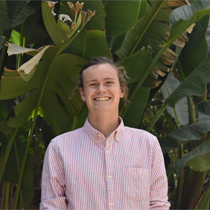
x,y
95,135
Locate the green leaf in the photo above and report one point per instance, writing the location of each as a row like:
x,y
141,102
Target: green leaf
x,y
135,112
193,131
61,33
203,110
180,112
186,12
58,31
194,84
124,14
200,163
4,19
196,49
11,172
136,64
3,111
204,200
115,42
208,36
200,152
95,44
143,9
80,118
97,21
18,11
149,30
52,85
34,32
1,42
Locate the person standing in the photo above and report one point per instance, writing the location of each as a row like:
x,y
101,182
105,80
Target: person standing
x,y
104,164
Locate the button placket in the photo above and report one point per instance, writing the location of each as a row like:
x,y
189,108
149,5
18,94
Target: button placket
x,y
108,158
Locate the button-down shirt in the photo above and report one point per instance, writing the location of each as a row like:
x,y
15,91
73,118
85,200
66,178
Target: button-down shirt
x,y
84,170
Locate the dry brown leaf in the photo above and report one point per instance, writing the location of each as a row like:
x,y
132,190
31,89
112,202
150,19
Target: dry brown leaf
x,y
72,9
78,7
181,40
189,30
176,3
51,4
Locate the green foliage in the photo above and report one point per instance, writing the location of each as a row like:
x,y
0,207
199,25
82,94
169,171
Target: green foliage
x,y
138,35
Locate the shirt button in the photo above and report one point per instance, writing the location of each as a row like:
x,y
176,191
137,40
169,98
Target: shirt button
x,y
109,177
117,138
111,204
107,151
99,135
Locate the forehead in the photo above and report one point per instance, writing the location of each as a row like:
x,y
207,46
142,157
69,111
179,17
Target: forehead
x,y
100,71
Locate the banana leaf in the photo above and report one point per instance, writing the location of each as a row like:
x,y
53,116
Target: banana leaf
x,y
193,131
4,19
203,110
185,12
194,84
13,13
59,83
116,10
150,30
13,165
197,159
180,112
204,201
196,49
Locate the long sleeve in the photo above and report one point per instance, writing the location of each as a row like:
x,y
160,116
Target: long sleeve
x,y
53,180
159,183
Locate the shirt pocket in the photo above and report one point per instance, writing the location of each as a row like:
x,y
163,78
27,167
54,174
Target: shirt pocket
x,y
137,184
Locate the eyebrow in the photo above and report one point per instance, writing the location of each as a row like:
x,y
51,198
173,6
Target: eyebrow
x,y
95,80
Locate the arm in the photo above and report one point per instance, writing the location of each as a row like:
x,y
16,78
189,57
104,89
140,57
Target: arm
x,y
53,180
159,182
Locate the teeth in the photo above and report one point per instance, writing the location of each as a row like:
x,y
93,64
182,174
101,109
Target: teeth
x,y
102,99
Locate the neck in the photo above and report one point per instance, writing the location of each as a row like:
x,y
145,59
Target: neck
x,y
104,123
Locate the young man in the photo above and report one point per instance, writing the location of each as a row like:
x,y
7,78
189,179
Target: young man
x,y
104,164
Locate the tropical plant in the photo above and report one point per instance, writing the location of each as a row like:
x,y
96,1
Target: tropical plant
x,y
39,98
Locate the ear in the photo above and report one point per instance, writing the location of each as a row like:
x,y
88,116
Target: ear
x,y
122,93
82,93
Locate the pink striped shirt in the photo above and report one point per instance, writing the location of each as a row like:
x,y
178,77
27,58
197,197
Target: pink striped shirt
x,y
84,170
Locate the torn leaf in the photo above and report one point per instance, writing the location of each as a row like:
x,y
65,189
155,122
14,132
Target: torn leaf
x,y
27,70
14,49
51,4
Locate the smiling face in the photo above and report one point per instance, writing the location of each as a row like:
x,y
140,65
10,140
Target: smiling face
x,y
101,89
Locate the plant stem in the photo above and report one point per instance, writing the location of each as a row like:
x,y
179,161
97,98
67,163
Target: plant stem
x,y
7,196
30,136
22,44
192,188
6,154
74,122
204,96
18,168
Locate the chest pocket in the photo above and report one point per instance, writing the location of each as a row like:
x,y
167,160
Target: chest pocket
x,y
137,184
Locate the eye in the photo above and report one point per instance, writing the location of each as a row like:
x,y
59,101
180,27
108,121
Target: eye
x,y
92,84
109,82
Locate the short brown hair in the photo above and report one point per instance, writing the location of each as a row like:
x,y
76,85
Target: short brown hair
x,y
103,60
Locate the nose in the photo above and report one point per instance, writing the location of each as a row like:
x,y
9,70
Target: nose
x,y
101,88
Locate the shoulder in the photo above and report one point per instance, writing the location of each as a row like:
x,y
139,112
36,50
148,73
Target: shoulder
x,y
139,133
66,138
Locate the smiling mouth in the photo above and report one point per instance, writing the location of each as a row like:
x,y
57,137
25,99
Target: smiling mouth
x,y
102,99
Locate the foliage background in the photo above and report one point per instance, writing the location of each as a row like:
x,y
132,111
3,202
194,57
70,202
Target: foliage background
x,y
168,66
